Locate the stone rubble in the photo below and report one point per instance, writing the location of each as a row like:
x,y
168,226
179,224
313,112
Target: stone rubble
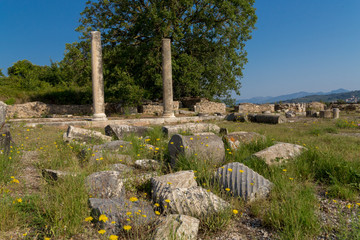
x,y
105,184
170,130
119,131
81,134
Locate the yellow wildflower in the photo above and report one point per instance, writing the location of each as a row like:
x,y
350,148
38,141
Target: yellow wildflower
x,y
89,219
133,199
235,211
167,200
102,231
229,169
128,213
284,170
241,171
157,212
19,200
157,205
127,227
113,237
227,189
103,218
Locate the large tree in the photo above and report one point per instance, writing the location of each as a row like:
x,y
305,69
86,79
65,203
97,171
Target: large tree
x,y
208,44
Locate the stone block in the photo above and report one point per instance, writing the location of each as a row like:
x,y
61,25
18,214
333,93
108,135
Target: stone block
x,y
105,184
175,226
272,119
326,114
236,139
5,138
208,148
190,128
121,130
147,164
183,179
336,113
81,134
242,181
3,111
280,152
194,201
236,117
118,210
55,174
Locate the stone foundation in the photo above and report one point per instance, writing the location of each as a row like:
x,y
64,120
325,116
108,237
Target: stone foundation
x,y
203,105
156,108
254,108
295,107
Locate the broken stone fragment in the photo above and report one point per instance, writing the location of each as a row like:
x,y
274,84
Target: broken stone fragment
x,y
242,181
175,226
190,128
81,134
237,139
118,210
194,201
147,164
105,184
55,174
121,130
183,179
208,148
266,118
280,152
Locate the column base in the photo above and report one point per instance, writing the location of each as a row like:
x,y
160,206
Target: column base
x,y
168,115
99,117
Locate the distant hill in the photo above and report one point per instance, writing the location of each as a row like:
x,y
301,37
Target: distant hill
x,y
286,97
328,97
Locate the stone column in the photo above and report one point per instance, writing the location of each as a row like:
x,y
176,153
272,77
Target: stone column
x,y
336,113
97,77
167,78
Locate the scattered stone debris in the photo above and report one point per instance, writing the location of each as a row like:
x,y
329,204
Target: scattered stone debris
x,y
190,128
105,184
119,131
81,134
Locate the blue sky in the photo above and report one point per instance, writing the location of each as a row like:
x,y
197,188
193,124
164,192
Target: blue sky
x,y
299,45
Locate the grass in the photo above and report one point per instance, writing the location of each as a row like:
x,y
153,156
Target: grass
x,y
58,209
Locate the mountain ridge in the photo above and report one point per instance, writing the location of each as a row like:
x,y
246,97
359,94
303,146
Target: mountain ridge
x,y
286,97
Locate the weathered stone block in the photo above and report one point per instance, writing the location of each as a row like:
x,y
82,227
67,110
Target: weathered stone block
x,y
121,130
74,133
105,184
242,181
55,174
236,117
190,128
5,138
118,210
147,164
176,226
326,114
3,111
183,179
206,148
236,139
194,201
280,152
272,119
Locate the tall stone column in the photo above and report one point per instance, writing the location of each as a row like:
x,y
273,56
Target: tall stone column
x,y
167,78
97,77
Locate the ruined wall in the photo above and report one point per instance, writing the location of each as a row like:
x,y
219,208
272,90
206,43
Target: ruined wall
x,y
315,106
156,108
254,108
206,106
295,107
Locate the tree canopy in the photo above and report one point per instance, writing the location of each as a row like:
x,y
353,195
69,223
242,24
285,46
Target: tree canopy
x,y
208,44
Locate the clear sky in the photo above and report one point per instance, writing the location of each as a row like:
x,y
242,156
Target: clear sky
x,y
299,45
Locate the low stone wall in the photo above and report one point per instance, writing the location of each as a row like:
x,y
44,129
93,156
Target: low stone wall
x,y
295,107
346,106
205,106
254,108
40,109
315,106
156,108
